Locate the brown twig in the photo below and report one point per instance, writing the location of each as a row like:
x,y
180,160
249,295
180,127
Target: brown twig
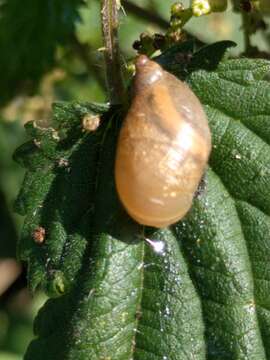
x,y
109,20
145,14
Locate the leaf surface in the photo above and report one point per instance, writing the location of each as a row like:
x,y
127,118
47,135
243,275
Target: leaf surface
x,y
206,296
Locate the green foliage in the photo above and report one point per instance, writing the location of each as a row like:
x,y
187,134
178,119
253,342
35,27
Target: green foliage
x,y
207,295
237,105
57,194
29,33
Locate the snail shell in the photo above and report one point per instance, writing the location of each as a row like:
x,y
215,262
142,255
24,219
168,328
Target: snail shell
x,y
163,147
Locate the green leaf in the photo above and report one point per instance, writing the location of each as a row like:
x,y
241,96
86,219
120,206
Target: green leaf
x,y
57,195
213,234
124,294
128,303
29,34
214,243
206,296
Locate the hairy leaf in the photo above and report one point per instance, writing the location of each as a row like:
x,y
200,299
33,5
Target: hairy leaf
x,y
205,296
214,234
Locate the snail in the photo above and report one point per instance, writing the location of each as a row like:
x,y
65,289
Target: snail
x,y
162,149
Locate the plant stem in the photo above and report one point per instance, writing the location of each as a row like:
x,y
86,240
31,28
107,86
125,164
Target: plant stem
x,y
109,19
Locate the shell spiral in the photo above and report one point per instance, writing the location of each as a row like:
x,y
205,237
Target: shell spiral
x,y
163,147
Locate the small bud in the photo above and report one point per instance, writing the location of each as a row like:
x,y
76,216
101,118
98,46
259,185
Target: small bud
x,y
39,235
145,44
58,284
136,45
130,67
90,122
159,41
176,23
177,8
37,143
63,162
200,7
204,7
55,135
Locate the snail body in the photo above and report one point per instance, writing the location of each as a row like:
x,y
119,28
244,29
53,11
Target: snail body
x,y
163,147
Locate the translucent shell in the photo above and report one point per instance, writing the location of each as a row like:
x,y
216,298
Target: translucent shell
x,y
163,147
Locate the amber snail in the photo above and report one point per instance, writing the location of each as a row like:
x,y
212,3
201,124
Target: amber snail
x,y
163,147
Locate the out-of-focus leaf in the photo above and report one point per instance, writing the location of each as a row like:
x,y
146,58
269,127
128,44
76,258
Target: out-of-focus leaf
x,y
29,34
9,356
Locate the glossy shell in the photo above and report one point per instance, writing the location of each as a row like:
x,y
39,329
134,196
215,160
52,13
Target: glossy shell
x,y
163,147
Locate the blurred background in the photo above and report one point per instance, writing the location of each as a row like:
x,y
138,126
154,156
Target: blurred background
x,y
43,61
